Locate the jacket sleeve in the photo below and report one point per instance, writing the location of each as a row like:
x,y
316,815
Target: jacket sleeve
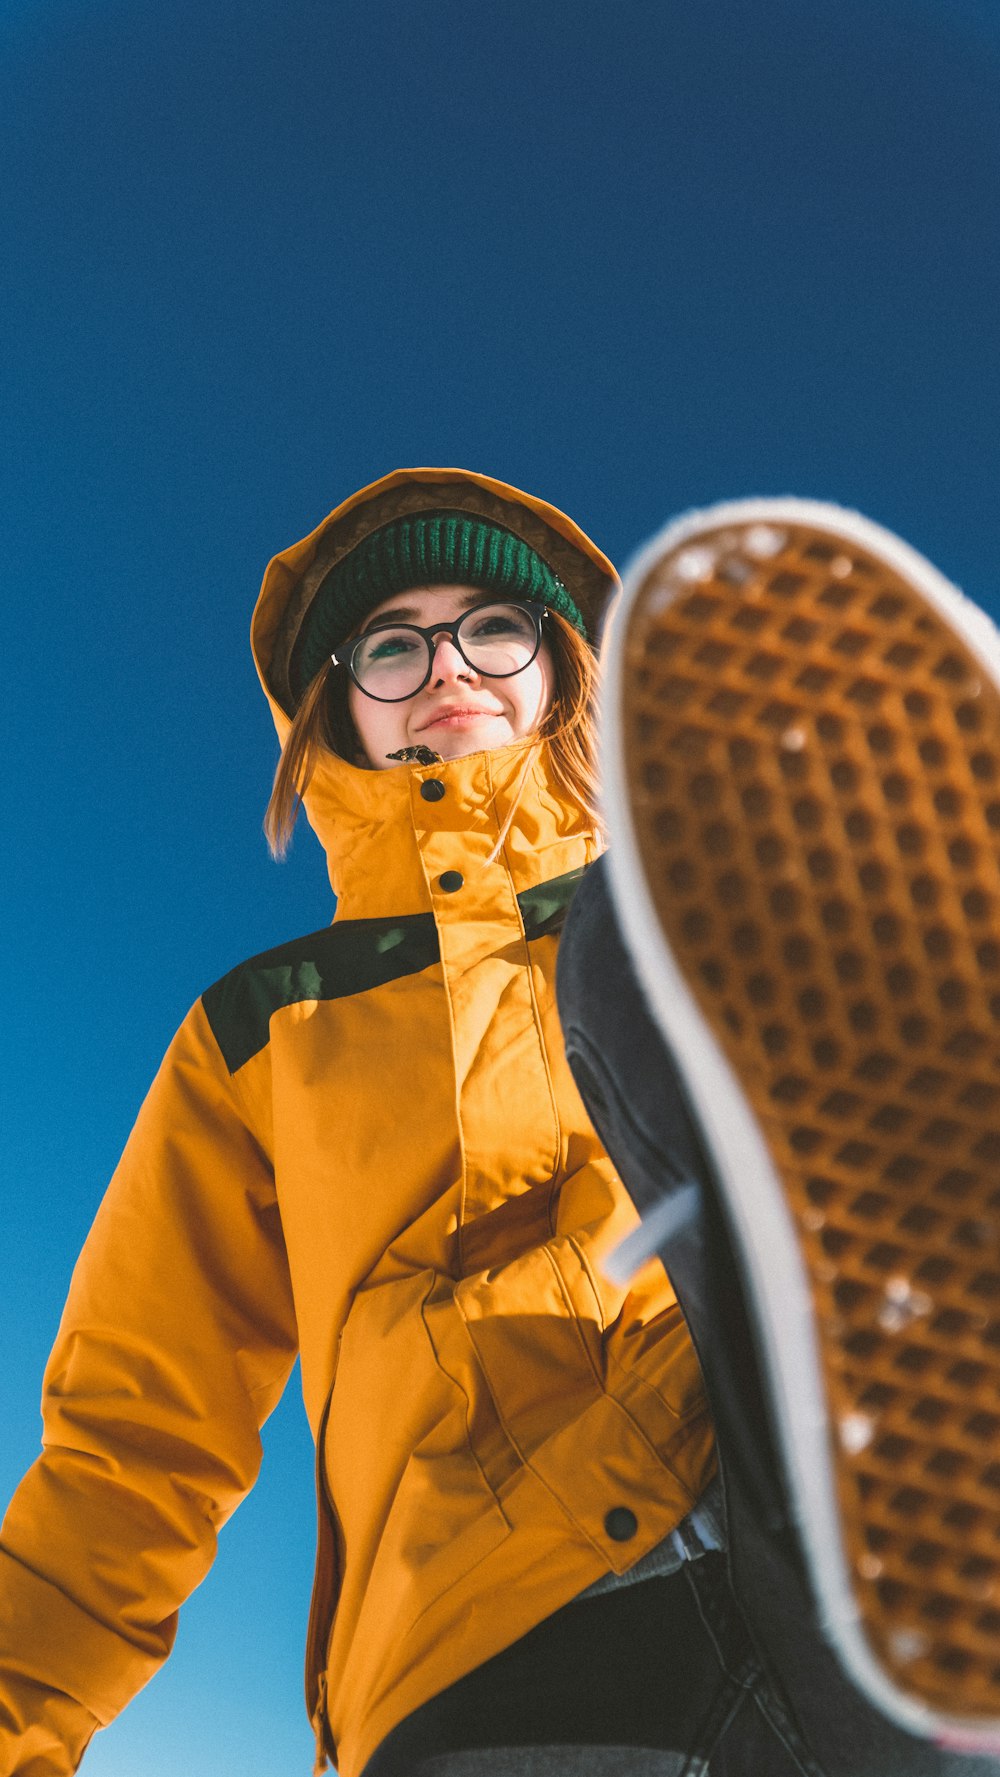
x,y
175,1344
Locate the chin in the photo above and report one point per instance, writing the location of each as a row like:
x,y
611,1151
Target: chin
x,y
474,740
460,749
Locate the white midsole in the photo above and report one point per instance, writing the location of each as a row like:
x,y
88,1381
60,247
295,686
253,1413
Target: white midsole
x,y
754,1199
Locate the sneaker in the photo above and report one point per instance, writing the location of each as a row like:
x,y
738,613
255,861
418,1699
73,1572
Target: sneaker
x,y
802,777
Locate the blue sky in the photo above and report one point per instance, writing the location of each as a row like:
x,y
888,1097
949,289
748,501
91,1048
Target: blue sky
x,y
631,257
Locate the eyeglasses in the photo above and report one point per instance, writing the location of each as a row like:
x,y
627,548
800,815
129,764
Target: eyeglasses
x,y
393,661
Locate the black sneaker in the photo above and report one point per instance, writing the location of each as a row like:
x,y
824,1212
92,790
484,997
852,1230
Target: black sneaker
x,y
802,773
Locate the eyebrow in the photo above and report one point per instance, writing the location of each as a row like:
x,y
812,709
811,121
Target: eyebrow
x,y
409,613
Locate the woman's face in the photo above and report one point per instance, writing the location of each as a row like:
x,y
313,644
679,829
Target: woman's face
x,y
458,711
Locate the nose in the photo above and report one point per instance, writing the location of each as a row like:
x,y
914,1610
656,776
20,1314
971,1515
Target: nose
x,y
448,665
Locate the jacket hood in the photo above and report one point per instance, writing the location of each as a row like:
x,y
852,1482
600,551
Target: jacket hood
x,y
345,804
293,577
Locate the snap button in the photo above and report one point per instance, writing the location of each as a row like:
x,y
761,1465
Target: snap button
x,y
621,1524
432,789
450,881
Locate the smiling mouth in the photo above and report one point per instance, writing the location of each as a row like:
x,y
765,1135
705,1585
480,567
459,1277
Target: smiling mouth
x,y
446,717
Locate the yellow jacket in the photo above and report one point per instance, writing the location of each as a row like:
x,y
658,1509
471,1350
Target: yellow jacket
x,y
365,1145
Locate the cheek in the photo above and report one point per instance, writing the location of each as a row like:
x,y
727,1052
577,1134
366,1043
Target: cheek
x,y
538,695
354,710
365,713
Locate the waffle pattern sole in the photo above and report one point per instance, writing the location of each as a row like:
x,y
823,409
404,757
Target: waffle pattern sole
x,y
811,753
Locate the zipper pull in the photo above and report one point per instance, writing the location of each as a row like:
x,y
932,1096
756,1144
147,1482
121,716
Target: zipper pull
x,y
319,1726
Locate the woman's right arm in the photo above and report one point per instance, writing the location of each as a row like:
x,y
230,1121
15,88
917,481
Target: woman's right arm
x,y
175,1344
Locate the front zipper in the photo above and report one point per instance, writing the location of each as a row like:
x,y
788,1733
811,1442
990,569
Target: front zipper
x,y
320,1728
321,1608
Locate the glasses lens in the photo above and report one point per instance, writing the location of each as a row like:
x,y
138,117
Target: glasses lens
x,y
498,640
390,663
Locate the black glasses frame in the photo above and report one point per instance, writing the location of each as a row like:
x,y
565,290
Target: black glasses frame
x,y
429,636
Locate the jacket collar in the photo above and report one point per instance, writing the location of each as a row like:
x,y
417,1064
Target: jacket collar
x,y
385,841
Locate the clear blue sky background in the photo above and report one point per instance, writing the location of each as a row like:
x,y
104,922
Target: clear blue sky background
x,y
632,256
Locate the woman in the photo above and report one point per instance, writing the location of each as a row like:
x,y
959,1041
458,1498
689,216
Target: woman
x,y
367,1146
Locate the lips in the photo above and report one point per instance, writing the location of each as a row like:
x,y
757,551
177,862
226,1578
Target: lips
x,y
457,713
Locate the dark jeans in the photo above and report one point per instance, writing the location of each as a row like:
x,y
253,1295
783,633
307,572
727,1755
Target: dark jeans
x,y
658,1679
720,1670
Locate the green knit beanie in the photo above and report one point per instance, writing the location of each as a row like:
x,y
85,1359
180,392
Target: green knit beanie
x,y
429,549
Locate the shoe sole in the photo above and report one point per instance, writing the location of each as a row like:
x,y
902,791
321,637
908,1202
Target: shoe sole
x,y
802,776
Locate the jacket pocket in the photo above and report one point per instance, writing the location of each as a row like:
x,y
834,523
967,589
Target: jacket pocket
x,y
414,1507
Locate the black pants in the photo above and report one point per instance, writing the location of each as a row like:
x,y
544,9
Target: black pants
x,y
652,1680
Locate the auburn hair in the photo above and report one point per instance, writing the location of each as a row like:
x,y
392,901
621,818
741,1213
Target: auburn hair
x,y
323,720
